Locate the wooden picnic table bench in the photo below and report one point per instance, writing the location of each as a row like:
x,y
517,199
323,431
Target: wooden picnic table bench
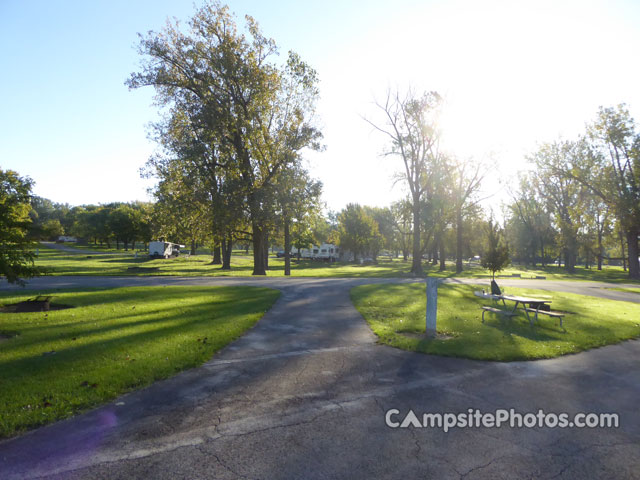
x,y
558,315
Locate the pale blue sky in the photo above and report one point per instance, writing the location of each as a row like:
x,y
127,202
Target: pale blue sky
x,y
513,73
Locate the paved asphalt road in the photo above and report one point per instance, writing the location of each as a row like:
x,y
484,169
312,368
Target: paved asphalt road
x,y
303,395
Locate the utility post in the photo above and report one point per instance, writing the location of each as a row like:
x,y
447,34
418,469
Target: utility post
x,y
432,306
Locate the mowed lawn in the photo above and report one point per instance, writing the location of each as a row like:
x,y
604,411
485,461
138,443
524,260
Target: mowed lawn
x,y
62,263
396,313
57,363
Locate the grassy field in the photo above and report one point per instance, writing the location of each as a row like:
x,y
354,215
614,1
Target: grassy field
x,y
396,313
629,290
63,263
55,364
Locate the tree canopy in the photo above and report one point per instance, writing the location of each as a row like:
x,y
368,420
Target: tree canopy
x,y
16,250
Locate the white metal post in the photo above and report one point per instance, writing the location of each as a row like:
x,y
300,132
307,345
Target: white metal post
x,y
432,306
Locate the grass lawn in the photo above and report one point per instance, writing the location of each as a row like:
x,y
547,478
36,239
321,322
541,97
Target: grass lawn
x,y
57,363
63,263
396,313
630,290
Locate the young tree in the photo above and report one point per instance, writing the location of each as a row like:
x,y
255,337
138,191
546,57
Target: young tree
x,y
411,124
16,250
496,257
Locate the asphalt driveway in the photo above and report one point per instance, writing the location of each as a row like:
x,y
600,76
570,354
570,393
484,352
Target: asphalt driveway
x,y
303,395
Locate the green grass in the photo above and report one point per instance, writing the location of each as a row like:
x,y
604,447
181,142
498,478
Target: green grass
x,y
112,342
396,313
63,263
628,290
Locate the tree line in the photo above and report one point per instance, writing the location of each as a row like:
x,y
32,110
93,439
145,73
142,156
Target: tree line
x,y
236,121
114,223
582,197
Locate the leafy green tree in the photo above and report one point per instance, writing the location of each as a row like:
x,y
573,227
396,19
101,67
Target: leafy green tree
x,y
611,170
401,211
297,197
386,225
530,224
16,250
52,229
496,256
358,232
561,193
247,115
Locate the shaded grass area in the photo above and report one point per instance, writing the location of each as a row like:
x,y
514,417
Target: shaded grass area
x,y
63,263
55,364
396,313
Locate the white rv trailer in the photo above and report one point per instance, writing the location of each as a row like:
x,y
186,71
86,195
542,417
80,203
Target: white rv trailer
x,y
326,251
164,249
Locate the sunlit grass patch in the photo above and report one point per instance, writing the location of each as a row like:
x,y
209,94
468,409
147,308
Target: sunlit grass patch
x,y
63,263
54,364
395,312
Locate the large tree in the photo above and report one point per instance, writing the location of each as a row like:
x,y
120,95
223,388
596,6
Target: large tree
x,y
248,115
611,170
297,198
410,122
358,232
466,182
16,250
561,193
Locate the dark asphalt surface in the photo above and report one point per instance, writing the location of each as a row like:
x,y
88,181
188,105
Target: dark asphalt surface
x,y
303,395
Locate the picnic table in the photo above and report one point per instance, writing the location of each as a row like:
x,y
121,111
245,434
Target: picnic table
x,y
529,305
534,305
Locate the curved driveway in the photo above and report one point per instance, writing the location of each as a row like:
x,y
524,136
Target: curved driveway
x,y
303,395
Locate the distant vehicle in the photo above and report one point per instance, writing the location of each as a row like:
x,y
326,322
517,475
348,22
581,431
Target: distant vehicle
x,y
65,238
280,254
327,252
164,249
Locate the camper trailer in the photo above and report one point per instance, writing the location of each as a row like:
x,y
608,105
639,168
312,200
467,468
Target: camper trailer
x,y
327,252
164,249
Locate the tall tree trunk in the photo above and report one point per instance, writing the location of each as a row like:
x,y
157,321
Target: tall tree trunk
x,y
258,250
600,248
542,253
632,245
193,247
217,259
266,251
570,260
227,247
416,264
287,247
459,240
436,244
623,250
443,253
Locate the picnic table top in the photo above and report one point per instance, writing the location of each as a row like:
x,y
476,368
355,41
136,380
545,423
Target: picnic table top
x,y
515,298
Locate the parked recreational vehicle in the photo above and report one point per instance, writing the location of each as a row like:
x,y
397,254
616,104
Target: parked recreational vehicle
x,y
327,252
164,249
